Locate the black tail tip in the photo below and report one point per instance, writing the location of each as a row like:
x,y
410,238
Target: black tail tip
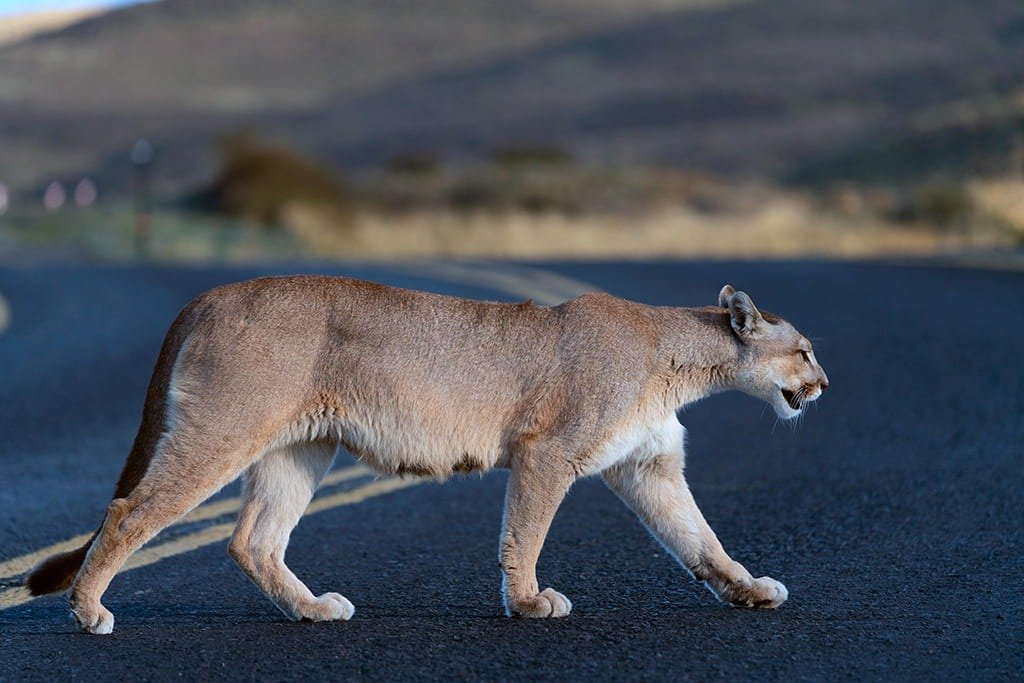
x,y
56,574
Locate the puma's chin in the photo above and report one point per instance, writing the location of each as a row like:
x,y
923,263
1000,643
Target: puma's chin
x,y
787,404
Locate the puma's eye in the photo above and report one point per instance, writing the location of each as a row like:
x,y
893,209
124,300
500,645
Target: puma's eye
x,y
805,355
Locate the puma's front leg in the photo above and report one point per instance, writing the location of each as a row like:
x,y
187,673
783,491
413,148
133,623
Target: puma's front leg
x,y
534,493
656,491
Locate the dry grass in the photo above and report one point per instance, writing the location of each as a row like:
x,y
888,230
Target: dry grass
x,y
636,213
786,227
1002,199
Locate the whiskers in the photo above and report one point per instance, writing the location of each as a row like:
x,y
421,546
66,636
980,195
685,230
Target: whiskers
x,y
798,421
797,401
799,396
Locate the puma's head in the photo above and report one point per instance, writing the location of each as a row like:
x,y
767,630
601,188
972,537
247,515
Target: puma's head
x,y
777,363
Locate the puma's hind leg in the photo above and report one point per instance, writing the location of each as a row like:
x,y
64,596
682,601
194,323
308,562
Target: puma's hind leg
x,y
179,478
277,490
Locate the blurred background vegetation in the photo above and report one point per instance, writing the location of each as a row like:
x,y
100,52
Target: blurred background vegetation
x,y
534,129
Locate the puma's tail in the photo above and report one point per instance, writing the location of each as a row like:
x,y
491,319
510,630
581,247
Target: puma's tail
x,y
57,573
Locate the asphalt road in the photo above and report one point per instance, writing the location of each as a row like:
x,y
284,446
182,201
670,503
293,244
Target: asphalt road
x,y
892,512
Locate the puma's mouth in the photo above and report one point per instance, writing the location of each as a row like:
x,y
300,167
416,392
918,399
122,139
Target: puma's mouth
x,y
793,398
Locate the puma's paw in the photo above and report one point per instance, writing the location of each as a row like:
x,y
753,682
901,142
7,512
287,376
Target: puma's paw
x,y
327,607
766,593
95,619
548,603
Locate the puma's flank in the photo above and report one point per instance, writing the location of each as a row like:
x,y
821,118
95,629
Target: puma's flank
x,y
268,377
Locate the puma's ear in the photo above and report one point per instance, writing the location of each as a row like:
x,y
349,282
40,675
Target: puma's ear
x,y
744,316
725,295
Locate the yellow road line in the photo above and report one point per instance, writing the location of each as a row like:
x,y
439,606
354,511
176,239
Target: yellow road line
x,y
12,597
562,286
219,532
540,285
502,280
20,565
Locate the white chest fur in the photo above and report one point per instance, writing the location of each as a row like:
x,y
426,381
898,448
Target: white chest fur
x,y
644,439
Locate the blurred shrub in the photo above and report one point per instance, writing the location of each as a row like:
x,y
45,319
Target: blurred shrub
x,y
547,200
258,181
943,205
532,193
413,163
530,155
474,194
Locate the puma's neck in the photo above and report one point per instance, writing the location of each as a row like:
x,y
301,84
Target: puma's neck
x,y
699,355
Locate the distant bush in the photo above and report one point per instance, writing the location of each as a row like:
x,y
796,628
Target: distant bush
x,y
549,198
544,202
413,163
473,195
942,204
258,181
496,193
528,155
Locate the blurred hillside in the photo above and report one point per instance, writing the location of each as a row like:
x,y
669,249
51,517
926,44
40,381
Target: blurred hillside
x,y
20,26
798,91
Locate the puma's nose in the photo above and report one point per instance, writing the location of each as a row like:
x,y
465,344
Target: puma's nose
x,y
824,386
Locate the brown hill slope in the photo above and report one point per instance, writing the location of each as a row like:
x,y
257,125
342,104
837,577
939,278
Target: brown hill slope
x,y
17,27
783,88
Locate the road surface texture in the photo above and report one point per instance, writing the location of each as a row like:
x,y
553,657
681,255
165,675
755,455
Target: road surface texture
x,y
892,511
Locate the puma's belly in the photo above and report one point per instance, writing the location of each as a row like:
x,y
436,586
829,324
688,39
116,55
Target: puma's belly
x,y
418,446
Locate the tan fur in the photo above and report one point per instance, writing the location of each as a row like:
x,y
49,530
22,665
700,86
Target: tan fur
x,y
267,377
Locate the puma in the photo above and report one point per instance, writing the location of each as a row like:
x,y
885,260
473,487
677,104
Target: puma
x,y
268,377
